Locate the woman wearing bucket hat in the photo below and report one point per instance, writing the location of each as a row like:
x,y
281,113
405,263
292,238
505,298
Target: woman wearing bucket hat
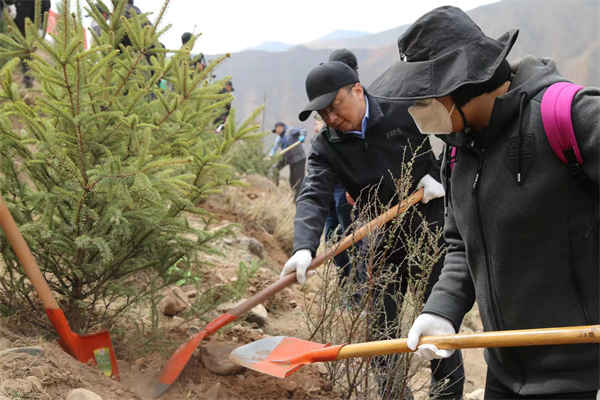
x,y
522,231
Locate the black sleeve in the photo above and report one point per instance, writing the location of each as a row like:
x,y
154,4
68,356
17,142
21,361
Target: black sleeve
x,y
312,205
454,293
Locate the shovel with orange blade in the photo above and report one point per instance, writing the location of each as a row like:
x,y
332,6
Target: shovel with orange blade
x,y
282,356
179,359
95,348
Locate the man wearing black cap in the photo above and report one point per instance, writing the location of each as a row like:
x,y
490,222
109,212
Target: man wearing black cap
x,y
522,227
196,62
340,212
294,157
363,145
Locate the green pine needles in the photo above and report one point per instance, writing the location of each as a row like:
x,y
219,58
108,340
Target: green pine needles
x,y
100,170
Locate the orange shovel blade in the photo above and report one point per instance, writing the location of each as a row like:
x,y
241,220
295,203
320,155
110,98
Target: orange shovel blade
x,y
176,363
281,356
97,349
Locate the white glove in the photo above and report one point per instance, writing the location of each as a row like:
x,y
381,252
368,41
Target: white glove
x,y
428,325
12,11
433,189
299,262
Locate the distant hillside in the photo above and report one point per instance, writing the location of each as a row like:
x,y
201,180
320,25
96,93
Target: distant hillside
x,y
271,46
564,30
341,34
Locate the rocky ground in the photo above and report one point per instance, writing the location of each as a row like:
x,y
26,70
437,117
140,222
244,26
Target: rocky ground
x,y
46,372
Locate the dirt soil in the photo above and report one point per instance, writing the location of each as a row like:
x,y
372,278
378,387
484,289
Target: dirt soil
x,y
285,317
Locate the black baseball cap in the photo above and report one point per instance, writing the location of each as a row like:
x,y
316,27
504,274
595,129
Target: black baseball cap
x,y
345,56
323,84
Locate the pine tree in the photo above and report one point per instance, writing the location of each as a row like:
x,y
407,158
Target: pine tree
x,y
107,164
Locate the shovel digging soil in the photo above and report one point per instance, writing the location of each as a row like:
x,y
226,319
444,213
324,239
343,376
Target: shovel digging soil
x,y
282,356
179,359
95,348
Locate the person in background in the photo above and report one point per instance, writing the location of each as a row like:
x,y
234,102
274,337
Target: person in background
x,y
521,225
19,11
295,157
198,62
222,118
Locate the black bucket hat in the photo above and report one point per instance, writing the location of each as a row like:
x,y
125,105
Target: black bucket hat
x,y
441,51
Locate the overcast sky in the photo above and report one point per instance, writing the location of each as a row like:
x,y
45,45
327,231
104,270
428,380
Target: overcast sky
x,y
233,25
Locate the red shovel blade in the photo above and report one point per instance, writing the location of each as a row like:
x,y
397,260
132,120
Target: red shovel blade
x,y
281,356
95,348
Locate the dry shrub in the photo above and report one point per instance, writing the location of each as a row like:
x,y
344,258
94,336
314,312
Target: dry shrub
x,y
266,206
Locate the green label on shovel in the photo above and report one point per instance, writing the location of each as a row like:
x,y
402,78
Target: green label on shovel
x,y
102,356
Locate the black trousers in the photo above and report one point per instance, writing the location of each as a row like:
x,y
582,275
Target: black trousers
x,y
494,390
297,172
448,372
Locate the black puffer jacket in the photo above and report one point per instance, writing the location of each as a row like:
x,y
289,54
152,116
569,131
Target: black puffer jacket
x,y
376,160
528,250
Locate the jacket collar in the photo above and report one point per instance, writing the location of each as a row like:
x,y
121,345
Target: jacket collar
x,y
375,115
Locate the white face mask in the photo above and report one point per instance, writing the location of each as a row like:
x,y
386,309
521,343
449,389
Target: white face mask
x,y
431,117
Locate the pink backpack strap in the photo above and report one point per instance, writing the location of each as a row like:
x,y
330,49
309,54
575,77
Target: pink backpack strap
x,y
453,157
556,117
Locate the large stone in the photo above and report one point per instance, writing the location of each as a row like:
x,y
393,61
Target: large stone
x,y
215,358
174,302
253,246
258,315
21,386
30,351
40,372
82,394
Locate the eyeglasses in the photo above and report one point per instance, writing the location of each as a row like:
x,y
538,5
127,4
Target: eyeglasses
x,y
326,113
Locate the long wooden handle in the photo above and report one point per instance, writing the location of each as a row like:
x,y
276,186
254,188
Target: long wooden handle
x,y
526,337
289,148
12,232
348,241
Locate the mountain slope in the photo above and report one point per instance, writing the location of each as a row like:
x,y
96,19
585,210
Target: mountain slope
x,y
564,30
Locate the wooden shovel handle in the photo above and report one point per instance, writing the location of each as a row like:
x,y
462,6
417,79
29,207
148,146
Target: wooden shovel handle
x,y
24,255
289,148
348,241
526,337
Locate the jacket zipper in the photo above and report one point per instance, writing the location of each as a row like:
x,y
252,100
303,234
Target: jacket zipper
x,y
482,233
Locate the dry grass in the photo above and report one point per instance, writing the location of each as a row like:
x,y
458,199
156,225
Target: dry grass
x,y
266,206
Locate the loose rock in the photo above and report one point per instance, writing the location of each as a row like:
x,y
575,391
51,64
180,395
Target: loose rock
x,y
35,381
228,242
290,386
253,246
174,302
40,372
31,351
18,385
241,377
215,358
258,315
82,394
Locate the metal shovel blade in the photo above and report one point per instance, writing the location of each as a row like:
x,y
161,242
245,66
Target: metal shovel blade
x,y
97,349
176,363
275,356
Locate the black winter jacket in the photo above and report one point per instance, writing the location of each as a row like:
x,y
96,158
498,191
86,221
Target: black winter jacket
x,y
363,164
529,250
